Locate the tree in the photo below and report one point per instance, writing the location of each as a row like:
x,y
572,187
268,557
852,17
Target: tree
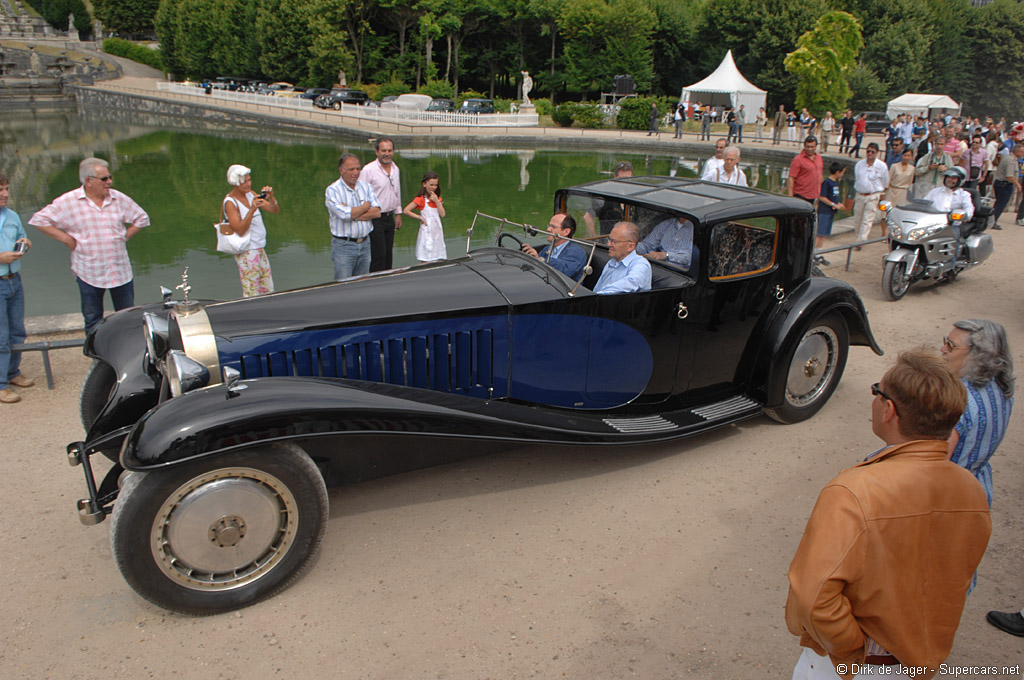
x,y
824,57
126,16
760,33
329,51
284,35
868,90
603,39
996,43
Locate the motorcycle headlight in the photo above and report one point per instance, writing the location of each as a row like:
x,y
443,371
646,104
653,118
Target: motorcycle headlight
x,y
895,230
185,374
924,232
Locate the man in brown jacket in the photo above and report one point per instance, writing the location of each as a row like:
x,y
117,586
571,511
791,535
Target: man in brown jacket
x,y
882,571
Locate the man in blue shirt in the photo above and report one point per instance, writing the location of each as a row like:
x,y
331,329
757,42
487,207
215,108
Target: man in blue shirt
x,y
13,244
626,272
566,256
671,240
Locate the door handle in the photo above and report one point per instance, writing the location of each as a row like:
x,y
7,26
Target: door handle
x,y
682,312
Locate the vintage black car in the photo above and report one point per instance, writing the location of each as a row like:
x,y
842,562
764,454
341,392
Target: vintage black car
x,y
336,97
232,418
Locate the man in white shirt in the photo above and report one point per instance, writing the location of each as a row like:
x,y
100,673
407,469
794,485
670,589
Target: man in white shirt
x,y
828,125
871,177
950,197
351,205
383,175
730,172
717,161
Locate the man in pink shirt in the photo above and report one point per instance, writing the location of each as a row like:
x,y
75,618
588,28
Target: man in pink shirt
x,y
383,175
805,172
95,222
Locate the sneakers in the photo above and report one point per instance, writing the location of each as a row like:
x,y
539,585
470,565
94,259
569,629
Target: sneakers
x,y
997,227
820,259
9,396
1020,223
1012,623
21,380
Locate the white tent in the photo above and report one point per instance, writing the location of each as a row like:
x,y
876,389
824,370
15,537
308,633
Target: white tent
x,y
927,105
727,87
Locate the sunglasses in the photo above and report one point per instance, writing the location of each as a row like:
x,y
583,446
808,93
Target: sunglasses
x,y
103,179
877,391
950,345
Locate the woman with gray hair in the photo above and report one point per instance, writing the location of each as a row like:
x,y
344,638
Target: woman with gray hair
x,y
253,265
977,351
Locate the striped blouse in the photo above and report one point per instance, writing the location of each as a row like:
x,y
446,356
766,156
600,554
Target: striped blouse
x,y
981,429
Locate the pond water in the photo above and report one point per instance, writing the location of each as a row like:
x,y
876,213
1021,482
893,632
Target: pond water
x,y
178,177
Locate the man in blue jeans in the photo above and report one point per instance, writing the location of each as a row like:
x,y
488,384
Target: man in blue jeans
x,y
95,222
351,205
13,244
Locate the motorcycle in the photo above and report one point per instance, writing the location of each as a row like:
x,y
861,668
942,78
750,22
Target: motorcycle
x,y
924,244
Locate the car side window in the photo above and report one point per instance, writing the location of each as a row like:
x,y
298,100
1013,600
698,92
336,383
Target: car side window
x,y
742,248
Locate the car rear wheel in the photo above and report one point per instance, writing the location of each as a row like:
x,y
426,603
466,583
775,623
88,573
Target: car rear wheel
x,y
815,367
895,281
223,533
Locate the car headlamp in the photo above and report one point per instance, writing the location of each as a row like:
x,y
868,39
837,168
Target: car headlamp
x,y
185,374
155,330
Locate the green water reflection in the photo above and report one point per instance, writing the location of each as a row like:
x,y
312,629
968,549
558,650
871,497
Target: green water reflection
x,y
178,177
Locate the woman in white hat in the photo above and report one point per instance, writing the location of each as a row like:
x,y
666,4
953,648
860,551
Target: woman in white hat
x,y
242,210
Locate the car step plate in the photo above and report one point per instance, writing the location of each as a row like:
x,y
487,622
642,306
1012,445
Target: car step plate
x,y
727,408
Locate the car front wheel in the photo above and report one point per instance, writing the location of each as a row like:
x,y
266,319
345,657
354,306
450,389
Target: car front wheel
x,y
336,106
222,533
815,367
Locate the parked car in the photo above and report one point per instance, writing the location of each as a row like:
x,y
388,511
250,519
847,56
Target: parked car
x,y
477,106
313,92
335,98
407,102
230,419
876,121
441,105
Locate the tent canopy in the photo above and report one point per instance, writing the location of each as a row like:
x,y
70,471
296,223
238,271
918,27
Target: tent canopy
x,y
726,86
922,105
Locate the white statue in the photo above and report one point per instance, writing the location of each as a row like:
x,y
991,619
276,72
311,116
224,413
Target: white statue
x,y
527,86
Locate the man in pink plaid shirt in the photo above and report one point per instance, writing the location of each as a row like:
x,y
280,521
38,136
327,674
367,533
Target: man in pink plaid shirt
x,y
91,221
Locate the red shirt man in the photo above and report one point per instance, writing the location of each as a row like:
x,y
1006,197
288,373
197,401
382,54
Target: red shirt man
x,y
805,172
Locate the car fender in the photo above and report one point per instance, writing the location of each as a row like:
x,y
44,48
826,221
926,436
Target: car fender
x,y
118,341
792,317
219,419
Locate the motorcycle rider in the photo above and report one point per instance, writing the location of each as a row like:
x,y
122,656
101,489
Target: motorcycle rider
x,y
951,198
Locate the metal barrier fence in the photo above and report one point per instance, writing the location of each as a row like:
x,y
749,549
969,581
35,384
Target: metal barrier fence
x,y
390,114
45,348
849,248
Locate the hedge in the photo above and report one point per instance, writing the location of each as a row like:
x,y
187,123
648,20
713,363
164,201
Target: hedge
x,y
133,51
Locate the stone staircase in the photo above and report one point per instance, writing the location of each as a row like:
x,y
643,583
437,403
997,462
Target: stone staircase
x,y
17,23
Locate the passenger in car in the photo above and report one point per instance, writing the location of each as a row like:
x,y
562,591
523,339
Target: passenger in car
x,y
626,272
566,256
671,240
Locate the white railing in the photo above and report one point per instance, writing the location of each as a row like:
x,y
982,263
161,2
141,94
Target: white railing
x,y
392,114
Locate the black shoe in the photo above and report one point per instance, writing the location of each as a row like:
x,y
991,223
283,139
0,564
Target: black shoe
x,y
997,227
818,259
1012,623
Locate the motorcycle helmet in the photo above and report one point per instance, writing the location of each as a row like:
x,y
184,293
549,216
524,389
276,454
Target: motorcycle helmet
x,y
958,172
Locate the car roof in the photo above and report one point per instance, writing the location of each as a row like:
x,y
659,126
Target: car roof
x,y
706,201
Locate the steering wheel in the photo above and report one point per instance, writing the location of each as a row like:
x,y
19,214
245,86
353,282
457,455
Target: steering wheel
x,y
515,238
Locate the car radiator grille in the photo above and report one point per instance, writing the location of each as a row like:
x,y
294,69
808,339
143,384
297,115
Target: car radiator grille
x,y
449,362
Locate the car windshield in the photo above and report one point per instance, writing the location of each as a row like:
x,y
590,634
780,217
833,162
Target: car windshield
x,y
530,239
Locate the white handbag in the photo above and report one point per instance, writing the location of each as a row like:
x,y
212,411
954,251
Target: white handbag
x,y
228,241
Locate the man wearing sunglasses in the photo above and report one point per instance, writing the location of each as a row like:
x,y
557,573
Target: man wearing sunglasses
x,y
95,222
882,571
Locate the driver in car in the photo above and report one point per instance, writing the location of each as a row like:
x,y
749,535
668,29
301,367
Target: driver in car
x,y
566,256
672,241
950,197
